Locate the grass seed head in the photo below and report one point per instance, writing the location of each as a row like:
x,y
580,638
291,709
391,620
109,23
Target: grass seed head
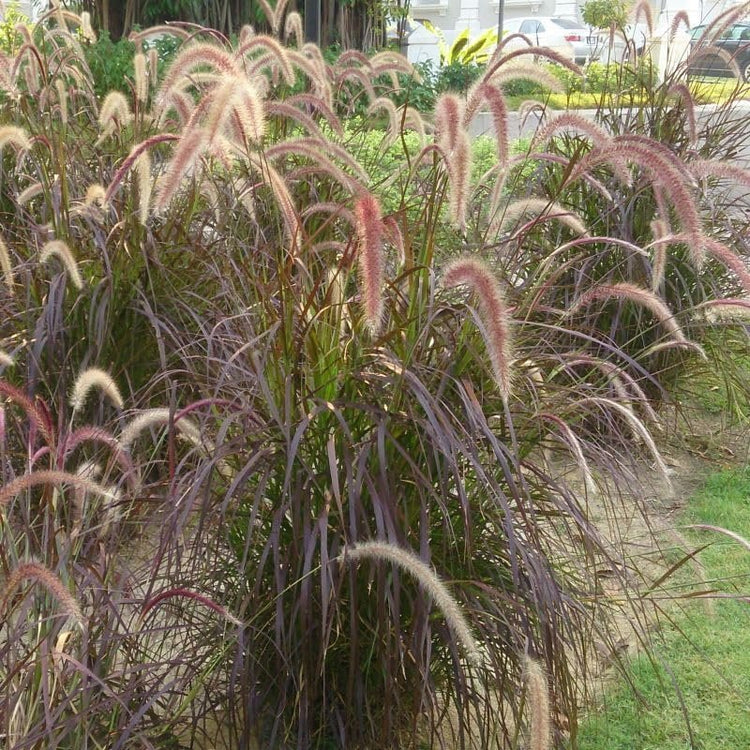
x,y
94,377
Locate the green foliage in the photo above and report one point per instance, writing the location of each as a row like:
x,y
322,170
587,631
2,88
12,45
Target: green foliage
x,y
10,38
706,654
464,50
111,64
601,14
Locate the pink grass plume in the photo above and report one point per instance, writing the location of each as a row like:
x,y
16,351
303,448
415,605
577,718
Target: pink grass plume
x,y
369,228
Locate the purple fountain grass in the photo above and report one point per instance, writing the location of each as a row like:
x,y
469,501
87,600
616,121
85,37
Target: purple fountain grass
x,y
358,76
574,445
47,477
38,573
114,113
429,581
666,170
544,52
661,233
158,418
497,320
571,121
312,102
189,150
29,193
89,434
274,15
198,54
680,18
284,200
630,292
537,689
369,229
59,249
12,135
682,92
206,601
275,55
128,164
726,310
730,259
140,73
294,29
296,115
493,96
145,181
449,114
544,210
94,377
720,530
236,97
6,266
62,100
702,168
644,8
34,413
522,70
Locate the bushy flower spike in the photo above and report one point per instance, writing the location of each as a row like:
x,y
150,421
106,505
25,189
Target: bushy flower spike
x,y
27,481
91,378
369,228
274,15
574,444
493,96
188,152
11,135
6,266
114,113
140,72
720,530
637,427
682,91
660,231
497,321
188,594
58,249
643,8
293,29
537,690
449,112
544,52
570,121
38,573
727,310
429,581
143,175
542,210
33,410
522,70
633,293
31,192
158,418
5,359
62,99
275,55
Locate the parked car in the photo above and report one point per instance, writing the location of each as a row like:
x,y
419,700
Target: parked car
x,y
570,38
734,41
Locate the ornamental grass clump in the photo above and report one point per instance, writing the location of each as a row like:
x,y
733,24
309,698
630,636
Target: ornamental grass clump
x,y
304,360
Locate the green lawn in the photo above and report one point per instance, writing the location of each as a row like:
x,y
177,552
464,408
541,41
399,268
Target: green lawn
x,y
706,655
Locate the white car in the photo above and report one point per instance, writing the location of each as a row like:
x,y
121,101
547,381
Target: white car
x,y
545,31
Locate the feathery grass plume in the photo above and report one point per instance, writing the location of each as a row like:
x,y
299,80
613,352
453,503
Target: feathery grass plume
x,y
187,593
62,99
497,320
730,259
6,266
31,192
493,96
369,229
58,249
356,75
277,183
720,530
501,60
5,359
94,377
158,418
543,210
277,54
14,136
726,310
293,29
660,232
702,168
38,416
570,121
574,444
188,152
449,112
143,173
114,113
48,477
394,121
681,91
522,70
236,98
643,8
537,691
95,193
459,170
637,427
39,573
141,77
625,291
274,15
153,65
429,581
315,103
